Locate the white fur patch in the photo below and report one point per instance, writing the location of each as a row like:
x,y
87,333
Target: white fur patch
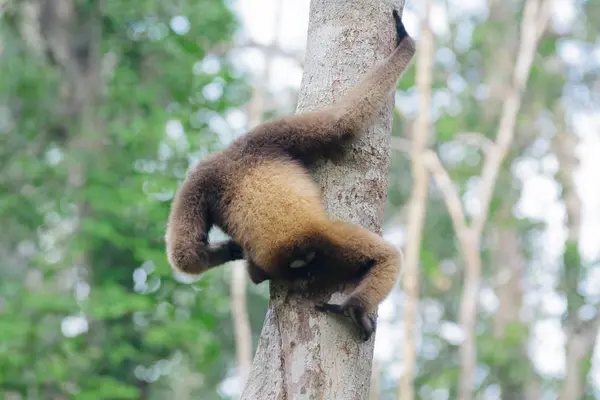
x,y
303,263
298,264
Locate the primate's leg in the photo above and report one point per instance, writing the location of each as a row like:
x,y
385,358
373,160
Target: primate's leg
x,y
356,251
256,273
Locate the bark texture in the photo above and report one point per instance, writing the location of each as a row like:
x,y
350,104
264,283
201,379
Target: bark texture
x,y
375,390
303,354
417,204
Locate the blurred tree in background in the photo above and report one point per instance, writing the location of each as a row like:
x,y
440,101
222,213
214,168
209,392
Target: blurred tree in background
x,y
524,283
103,106
101,109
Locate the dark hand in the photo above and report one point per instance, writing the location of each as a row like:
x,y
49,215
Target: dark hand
x,y
236,252
400,29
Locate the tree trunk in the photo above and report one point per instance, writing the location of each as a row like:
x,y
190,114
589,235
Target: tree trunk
x,y
240,319
375,390
302,353
417,205
50,29
535,18
580,334
509,262
534,21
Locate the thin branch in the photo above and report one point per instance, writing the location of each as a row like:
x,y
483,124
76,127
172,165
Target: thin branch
x,y
450,194
530,26
474,139
444,182
545,11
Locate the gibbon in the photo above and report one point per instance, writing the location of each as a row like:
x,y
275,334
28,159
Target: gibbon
x,y
259,191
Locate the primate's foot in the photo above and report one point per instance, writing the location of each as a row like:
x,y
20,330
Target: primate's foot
x,y
365,323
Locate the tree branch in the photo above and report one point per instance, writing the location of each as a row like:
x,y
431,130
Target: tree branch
x,y
444,182
531,25
474,139
450,194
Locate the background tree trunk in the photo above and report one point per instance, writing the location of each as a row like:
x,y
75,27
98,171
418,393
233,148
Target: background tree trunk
x,y
581,333
239,303
417,204
534,21
303,354
510,264
240,319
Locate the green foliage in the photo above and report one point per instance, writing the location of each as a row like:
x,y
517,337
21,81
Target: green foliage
x,y
447,126
407,82
143,328
107,387
137,314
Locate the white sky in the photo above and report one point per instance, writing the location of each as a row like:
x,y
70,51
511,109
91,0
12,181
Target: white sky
x,y
539,198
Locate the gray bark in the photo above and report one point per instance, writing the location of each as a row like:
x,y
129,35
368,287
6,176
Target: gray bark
x,y
303,354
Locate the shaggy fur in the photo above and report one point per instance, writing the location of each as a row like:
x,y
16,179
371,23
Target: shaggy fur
x,y
259,192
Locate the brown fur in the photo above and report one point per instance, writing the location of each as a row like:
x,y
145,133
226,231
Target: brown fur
x,y
259,192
